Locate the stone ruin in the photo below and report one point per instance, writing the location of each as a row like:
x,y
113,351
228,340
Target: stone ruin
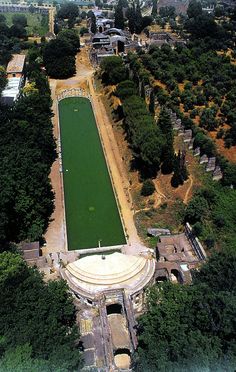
x,y
217,174
190,145
157,232
189,139
147,90
188,135
210,167
203,159
196,151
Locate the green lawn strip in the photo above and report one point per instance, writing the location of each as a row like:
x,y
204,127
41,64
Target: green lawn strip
x,y
91,209
36,24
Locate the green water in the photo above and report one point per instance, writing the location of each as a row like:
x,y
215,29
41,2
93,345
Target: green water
x,y
91,209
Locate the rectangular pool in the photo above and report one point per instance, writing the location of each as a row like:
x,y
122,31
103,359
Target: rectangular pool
x,y
90,205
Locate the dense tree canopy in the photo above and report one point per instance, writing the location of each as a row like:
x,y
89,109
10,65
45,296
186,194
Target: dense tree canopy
x,y
68,11
3,79
191,328
125,89
119,17
19,19
10,39
36,319
212,211
59,54
27,151
113,70
208,92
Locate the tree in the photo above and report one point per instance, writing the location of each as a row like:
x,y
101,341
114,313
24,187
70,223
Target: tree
x,y
119,17
152,102
21,359
187,328
131,18
148,187
126,89
93,27
167,12
138,18
208,119
3,79
146,21
154,8
42,317
19,19
71,37
218,271
59,58
197,209
26,159
229,176
68,11
113,70
164,123
194,9
17,30
83,31
180,171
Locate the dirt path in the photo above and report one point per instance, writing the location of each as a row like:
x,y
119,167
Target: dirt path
x,y
51,16
116,166
55,235
188,190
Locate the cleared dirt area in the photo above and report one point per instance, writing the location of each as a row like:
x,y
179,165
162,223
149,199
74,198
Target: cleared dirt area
x,y
119,334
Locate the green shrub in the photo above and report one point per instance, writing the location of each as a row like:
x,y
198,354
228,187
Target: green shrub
x,y
148,188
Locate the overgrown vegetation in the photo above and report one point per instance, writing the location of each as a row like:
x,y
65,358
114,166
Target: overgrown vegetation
x,y
27,151
152,144
191,328
59,54
212,213
11,39
131,15
37,320
38,329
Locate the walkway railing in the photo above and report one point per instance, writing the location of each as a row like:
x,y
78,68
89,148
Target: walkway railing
x,y
73,92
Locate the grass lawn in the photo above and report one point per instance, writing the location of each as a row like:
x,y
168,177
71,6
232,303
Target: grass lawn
x,y
37,23
91,209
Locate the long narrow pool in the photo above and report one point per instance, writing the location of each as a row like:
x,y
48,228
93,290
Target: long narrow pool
x,y
90,206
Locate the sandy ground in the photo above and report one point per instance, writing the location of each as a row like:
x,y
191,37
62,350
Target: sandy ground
x,y
56,234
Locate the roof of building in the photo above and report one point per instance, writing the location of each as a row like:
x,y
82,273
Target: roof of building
x,y
16,64
99,35
98,273
12,88
114,31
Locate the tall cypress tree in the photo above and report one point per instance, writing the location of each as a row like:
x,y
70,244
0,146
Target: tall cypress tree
x,y
180,171
152,102
119,17
138,18
154,8
93,27
131,18
168,155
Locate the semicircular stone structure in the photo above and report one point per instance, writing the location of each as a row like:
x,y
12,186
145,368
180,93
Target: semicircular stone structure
x,y
92,275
